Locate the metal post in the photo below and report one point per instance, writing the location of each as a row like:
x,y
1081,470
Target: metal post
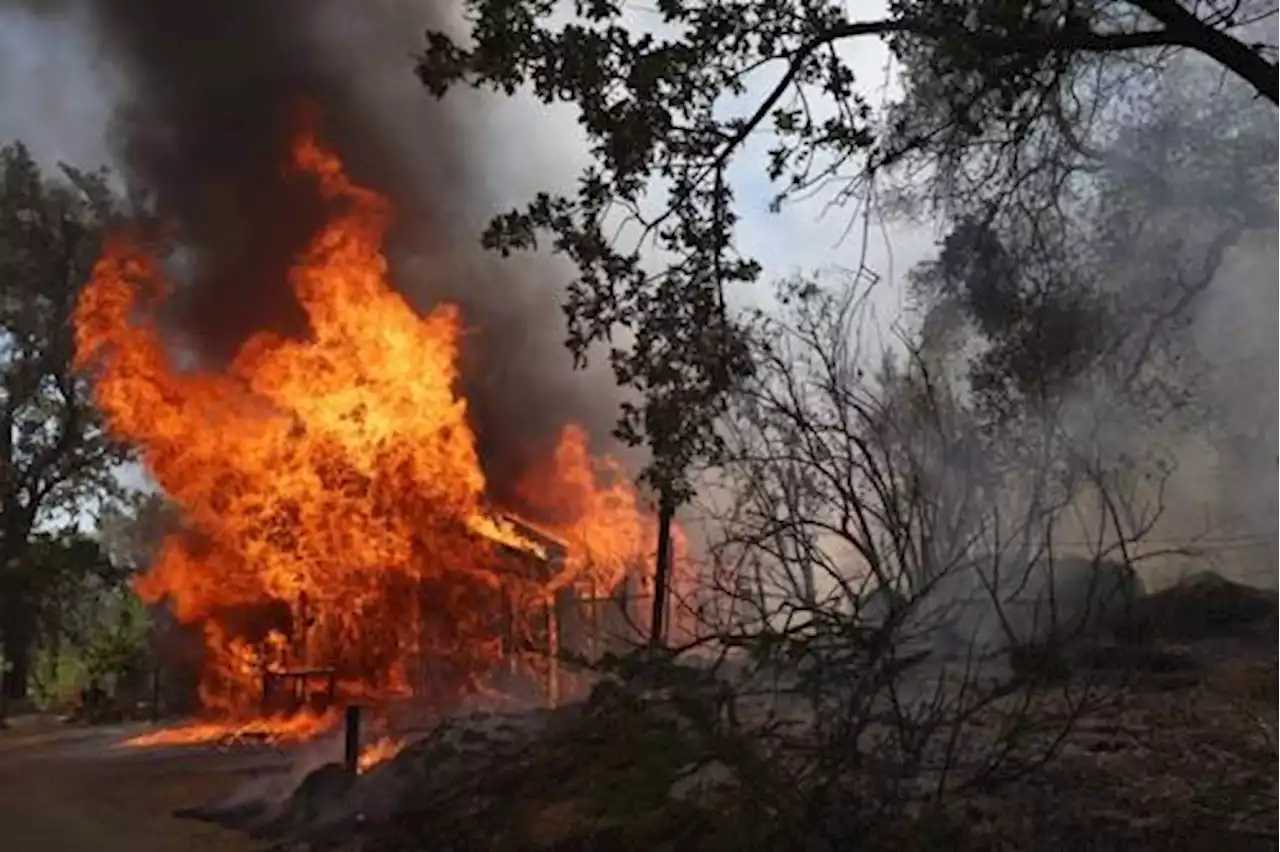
x,y
4,689
351,750
509,628
155,693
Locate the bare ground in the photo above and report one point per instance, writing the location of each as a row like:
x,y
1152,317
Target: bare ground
x,y
74,790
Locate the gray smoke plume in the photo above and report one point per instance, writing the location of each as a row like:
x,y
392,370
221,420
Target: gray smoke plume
x,y
214,94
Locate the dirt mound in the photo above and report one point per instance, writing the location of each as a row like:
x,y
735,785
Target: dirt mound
x,y
614,772
329,807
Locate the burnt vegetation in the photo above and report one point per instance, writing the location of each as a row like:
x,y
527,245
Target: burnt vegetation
x,y
943,595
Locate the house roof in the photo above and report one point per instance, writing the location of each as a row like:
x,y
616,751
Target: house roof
x,y
554,547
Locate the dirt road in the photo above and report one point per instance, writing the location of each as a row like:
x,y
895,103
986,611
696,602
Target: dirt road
x,y
76,791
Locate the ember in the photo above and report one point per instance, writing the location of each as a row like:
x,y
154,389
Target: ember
x,y
333,499
381,749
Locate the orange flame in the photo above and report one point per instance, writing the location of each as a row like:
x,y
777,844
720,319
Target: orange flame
x,y
333,499
593,508
330,487
275,731
334,475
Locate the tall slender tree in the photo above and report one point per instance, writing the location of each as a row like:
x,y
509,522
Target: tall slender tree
x,y
56,459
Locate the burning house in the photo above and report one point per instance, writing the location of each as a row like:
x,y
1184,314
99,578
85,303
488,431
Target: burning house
x,y
339,542
576,615
378,446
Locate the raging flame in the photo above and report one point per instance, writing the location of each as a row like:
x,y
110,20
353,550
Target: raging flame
x,y
275,731
593,509
332,475
331,492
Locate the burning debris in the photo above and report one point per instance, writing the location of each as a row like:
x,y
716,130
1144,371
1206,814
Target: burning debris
x,y
381,749
338,543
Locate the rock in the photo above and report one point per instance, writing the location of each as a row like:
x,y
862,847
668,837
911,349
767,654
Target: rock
x,y
322,788
1156,665
1206,606
1039,661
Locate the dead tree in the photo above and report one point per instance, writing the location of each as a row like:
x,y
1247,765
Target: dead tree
x,y
883,561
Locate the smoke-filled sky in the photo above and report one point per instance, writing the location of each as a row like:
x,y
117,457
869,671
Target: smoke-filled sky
x,y
59,96
193,101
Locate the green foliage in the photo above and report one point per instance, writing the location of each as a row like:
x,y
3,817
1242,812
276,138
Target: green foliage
x,y
56,458
120,637
89,624
652,110
115,642
53,450
1100,285
113,653
56,680
61,574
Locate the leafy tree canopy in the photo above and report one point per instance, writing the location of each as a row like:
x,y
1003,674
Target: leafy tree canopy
x,y
998,113
1105,288
56,459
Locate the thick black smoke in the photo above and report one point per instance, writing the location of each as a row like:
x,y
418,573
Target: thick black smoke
x,y
215,93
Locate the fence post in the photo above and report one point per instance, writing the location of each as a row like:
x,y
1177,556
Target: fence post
x,y
351,749
155,693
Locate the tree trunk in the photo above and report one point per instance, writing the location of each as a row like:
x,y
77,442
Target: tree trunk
x,y
16,638
17,608
17,655
661,573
